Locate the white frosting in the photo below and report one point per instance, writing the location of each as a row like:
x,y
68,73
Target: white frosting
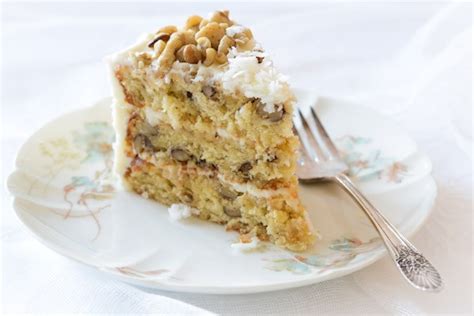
x,y
179,212
120,116
253,245
251,189
178,69
209,74
121,109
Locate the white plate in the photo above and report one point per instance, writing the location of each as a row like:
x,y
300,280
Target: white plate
x,y
65,195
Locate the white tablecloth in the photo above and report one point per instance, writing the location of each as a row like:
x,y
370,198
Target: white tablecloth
x,y
409,61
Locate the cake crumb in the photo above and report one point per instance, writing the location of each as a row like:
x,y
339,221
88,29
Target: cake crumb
x,y
178,212
247,246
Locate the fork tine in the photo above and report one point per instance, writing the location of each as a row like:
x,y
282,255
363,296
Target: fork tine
x,y
298,122
323,139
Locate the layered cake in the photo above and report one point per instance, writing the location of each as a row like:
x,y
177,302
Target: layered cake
x,y
204,120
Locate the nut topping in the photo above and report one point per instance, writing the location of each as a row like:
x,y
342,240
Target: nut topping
x,y
189,37
221,58
213,31
180,54
221,17
210,56
203,43
158,47
159,37
191,54
243,36
169,29
218,33
167,58
224,45
203,23
193,21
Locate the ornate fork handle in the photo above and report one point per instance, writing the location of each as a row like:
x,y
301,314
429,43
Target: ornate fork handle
x,y
413,265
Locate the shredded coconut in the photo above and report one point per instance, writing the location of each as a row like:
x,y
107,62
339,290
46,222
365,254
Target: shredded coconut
x,y
178,69
255,80
244,74
180,211
208,74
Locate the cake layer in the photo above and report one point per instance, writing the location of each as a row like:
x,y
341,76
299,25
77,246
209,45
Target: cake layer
x,y
274,215
233,161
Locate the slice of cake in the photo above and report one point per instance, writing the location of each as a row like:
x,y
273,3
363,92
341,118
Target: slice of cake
x,y
203,119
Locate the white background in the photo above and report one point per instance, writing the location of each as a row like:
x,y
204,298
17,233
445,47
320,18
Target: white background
x,y
410,61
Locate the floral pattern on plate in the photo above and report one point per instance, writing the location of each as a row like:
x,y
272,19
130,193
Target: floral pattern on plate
x,y
367,164
339,253
90,144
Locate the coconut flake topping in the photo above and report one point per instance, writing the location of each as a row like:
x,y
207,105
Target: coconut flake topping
x,y
180,211
252,74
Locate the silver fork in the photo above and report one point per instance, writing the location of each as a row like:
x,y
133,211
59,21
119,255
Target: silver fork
x,y
321,161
